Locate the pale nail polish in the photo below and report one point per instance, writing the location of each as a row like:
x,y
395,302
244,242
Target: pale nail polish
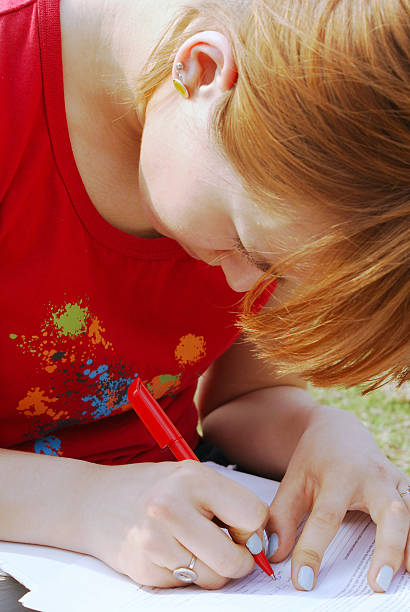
x,y
384,577
273,545
254,544
306,578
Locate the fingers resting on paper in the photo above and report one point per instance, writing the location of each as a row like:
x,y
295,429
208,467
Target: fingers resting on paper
x,y
327,512
391,513
325,479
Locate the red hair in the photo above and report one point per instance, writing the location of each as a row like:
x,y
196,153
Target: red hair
x,y
320,118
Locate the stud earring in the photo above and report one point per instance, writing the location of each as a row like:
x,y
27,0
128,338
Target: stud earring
x,y
179,81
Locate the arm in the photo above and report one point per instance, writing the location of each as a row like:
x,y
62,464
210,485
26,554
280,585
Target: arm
x,y
239,394
271,425
42,499
144,520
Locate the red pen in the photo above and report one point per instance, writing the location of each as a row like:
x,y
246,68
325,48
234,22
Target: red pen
x,y
167,435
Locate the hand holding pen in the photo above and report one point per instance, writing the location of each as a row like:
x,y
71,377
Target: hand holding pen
x,y
166,435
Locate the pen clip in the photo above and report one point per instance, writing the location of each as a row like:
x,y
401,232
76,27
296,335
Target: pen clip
x,y
151,414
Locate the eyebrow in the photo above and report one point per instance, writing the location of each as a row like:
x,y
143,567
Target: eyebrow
x,y
258,261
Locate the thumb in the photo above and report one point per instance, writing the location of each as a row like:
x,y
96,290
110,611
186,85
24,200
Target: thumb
x,y
285,514
241,536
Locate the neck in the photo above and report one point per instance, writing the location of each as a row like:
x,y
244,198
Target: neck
x,y
105,44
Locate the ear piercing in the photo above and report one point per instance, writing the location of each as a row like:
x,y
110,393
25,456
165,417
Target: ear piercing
x,y
178,81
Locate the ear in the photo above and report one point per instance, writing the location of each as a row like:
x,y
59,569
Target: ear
x,y
208,65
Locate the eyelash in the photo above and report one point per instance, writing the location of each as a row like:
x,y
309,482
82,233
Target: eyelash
x,y
263,267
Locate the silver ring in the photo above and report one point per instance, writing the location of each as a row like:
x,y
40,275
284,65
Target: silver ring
x,y
406,492
186,574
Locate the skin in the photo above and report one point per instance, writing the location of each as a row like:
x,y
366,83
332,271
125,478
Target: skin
x,y
153,171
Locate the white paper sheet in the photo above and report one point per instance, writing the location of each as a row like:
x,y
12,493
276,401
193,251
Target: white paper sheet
x,y
61,581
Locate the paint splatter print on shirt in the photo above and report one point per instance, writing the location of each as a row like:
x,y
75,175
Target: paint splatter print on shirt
x,y
68,347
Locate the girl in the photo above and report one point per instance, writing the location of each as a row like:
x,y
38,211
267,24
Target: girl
x,y
134,222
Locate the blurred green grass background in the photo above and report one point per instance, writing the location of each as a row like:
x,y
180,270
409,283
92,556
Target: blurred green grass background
x,y
385,412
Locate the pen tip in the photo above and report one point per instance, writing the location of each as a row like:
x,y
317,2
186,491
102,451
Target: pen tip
x,y
273,577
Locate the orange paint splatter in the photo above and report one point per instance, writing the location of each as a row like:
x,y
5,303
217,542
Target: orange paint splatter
x,y
35,402
60,415
190,349
95,332
163,384
49,364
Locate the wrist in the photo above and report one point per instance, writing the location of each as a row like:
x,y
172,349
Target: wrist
x,y
86,507
113,495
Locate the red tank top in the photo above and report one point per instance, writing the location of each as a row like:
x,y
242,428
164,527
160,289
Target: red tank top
x,y
84,306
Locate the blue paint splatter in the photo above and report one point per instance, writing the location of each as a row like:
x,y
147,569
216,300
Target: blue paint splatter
x,y
113,395
50,445
100,370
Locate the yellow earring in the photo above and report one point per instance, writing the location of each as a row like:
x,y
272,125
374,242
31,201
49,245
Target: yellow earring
x,y
179,81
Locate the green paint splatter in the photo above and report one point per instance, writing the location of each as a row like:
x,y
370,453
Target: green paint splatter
x,y
26,344
165,378
71,320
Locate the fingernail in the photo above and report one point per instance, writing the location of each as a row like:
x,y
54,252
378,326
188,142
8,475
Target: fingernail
x,y
384,577
273,545
306,578
254,544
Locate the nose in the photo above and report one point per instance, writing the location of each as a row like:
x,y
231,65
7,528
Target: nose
x,y
240,274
